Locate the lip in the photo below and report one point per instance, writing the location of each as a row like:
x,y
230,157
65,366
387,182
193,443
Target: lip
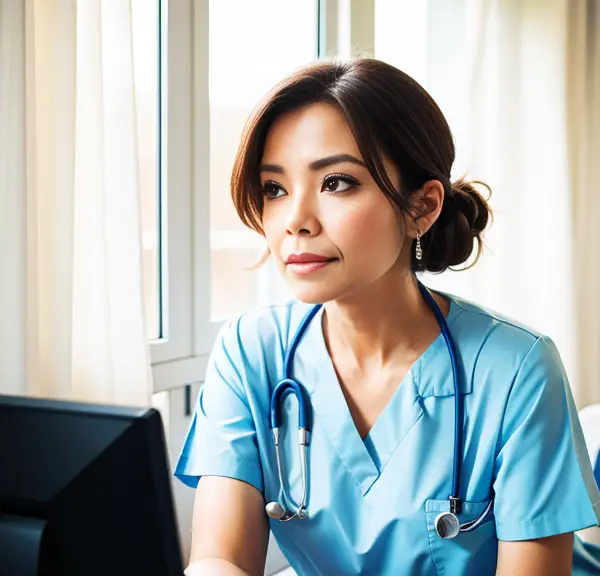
x,y
307,263
303,268
307,258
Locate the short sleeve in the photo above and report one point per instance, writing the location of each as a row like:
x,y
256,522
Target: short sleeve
x,y
221,440
543,482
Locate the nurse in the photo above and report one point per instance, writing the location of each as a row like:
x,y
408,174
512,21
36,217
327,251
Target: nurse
x,y
345,170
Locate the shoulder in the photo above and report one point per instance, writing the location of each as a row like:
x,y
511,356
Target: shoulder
x,y
262,333
494,342
488,328
486,320
249,350
513,371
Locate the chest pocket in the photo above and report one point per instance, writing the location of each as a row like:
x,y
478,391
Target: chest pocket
x,y
474,552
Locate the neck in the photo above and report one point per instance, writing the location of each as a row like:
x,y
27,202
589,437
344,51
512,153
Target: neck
x,y
388,321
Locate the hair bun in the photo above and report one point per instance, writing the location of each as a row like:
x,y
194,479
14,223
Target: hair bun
x,y
451,240
469,202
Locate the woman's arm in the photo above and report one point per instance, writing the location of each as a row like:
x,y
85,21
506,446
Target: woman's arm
x,y
230,531
541,557
213,567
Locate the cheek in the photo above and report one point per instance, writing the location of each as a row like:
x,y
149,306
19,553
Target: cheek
x,y
273,229
371,234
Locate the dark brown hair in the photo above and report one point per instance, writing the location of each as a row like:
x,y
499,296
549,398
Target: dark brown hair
x,y
390,115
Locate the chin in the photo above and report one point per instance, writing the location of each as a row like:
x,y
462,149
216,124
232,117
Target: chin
x,y
313,294
310,297
318,292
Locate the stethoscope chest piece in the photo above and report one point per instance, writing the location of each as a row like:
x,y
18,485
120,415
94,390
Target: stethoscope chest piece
x,y
447,525
276,511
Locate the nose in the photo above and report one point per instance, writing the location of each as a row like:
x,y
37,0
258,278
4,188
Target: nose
x,y
302,219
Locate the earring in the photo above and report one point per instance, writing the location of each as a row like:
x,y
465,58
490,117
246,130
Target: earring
x,y
418,250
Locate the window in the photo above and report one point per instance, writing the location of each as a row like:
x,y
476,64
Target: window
x,y
167,215
146,56
252,45
429,41
216,59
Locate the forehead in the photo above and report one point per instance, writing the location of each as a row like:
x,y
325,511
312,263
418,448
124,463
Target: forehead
x,y
313,131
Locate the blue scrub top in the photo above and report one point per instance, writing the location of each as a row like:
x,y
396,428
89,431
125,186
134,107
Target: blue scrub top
x,y
372,503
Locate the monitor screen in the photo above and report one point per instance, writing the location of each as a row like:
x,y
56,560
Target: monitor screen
x,y
84,489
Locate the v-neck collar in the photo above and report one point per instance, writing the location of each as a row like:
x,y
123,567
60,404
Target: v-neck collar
x,y
366,460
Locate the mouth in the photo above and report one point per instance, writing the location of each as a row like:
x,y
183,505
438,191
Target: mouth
x,y
307,263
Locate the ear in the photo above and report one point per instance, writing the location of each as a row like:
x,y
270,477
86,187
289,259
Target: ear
x,y
427,204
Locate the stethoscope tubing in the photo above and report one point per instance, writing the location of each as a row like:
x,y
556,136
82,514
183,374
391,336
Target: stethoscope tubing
x,y
458,405
446,523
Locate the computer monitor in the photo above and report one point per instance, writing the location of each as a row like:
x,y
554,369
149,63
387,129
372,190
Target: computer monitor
x,y
84,490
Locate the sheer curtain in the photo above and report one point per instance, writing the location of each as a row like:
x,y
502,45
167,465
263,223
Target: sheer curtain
x,y
72,307
583,80
516,80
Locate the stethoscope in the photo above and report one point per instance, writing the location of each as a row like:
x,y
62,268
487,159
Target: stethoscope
x,y
447,524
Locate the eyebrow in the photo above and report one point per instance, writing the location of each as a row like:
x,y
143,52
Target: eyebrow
x,y
316,164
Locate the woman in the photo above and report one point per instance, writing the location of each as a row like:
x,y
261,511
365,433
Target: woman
x,y
345,170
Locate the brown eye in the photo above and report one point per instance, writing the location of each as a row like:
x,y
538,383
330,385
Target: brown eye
x,y
272,190
338,184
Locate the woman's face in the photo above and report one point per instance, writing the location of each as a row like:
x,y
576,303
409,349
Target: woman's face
x,y
329,227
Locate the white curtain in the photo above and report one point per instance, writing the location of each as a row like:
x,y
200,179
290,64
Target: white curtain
x,y
583,80
72,303
516,80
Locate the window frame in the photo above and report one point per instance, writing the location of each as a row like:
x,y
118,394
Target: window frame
x,y
172,355
180,358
